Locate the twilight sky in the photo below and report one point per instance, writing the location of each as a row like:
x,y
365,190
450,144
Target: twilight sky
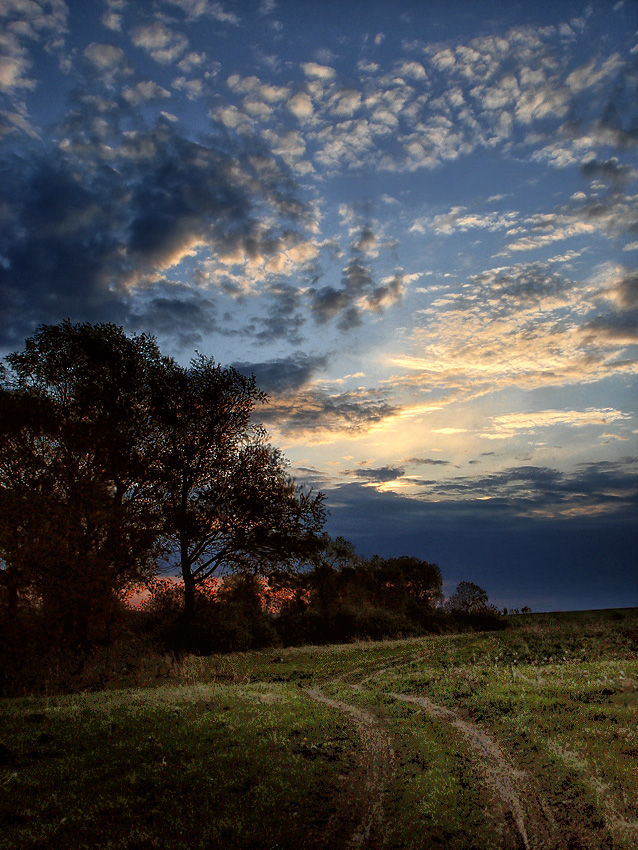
x,y
415,222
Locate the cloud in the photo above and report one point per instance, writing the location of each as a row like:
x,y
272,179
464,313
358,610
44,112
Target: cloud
x,y
85,228
300,105
284,319
195,9
319,72
111,19
163,44
107,59
379,475
285,375
359,293
290,145
144,91
609,169
427,461
624,293
524,325
412,69
591,490
593,74
25,28
179,315
509,424
610,217
616,320
14,64
345,102
603,487
458,218
313,415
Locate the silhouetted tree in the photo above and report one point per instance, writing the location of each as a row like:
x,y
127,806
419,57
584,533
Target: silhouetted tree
x,y
407,583
77,516
334,558
111,455
226,499
468,598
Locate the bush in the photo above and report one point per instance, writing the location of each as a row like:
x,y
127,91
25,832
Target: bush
x,y
229,617
31,663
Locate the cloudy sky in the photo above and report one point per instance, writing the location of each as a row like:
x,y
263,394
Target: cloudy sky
x,y
415,222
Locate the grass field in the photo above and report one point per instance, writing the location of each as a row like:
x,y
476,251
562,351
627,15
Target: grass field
x,y
523,738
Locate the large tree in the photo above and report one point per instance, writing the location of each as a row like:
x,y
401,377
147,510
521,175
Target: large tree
x,y
112,455
227,501
78,520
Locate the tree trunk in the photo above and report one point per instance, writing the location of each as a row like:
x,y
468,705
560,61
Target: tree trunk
x,y
12,596
188,614
189,594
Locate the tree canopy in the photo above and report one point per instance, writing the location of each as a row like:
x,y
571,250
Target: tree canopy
x,y
226,500
113,456
116,461
468,598
78,521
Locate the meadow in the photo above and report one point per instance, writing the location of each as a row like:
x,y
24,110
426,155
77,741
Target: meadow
x,y
521,738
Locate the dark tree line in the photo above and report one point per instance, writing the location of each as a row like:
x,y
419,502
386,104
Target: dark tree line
x,y
337,597
116,460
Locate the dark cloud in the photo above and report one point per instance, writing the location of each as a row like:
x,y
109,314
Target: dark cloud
x,y
609,169
609,116
281,376
610,486
357,278
209,194
317,410
526,283
59,243
427,461
284,319
627,292
549,564
329,302
81,236
618,319
387,293
378,475
618,327
179,316
359,290
310,476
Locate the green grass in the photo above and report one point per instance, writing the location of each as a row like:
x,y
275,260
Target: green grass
x,y
178,766
236,753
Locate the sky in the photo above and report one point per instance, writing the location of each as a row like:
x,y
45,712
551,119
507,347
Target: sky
x,y
415,222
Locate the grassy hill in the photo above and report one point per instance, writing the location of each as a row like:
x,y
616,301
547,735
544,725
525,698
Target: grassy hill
x,y
526,737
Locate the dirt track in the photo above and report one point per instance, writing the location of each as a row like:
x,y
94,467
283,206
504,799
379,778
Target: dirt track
x,y
377,762
537,823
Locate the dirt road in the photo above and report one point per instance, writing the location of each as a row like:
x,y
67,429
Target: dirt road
x,y
521,796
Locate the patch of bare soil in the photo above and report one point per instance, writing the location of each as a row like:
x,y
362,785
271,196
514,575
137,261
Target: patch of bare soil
x,y
360,822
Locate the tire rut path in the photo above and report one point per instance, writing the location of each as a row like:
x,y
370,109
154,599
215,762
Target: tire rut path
x,y
537,824
377,765
534,823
